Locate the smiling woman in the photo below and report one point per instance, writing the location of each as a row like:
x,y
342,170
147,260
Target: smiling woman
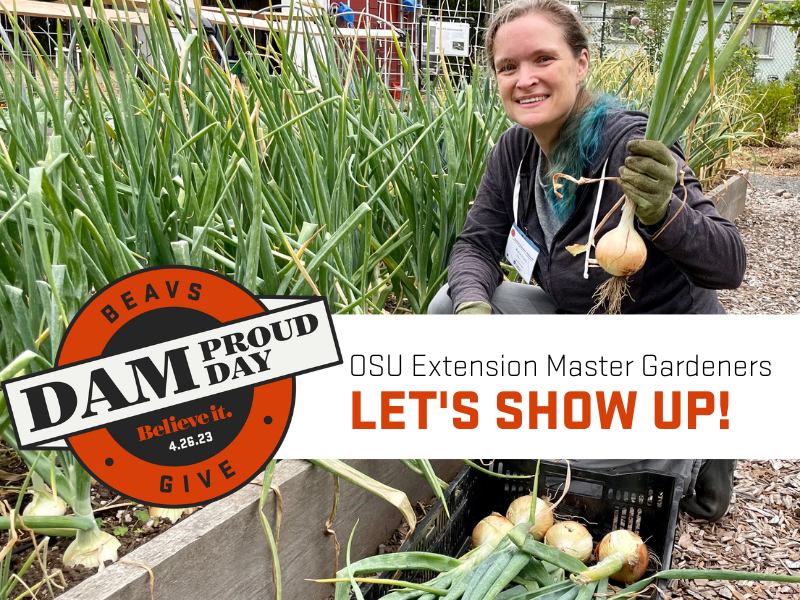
x,y
538,76
539,53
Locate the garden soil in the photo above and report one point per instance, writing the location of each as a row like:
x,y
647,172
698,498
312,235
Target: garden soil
x,y
112,509
760,532
770,227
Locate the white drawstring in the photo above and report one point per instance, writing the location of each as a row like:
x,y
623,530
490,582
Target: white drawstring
x,y
594,220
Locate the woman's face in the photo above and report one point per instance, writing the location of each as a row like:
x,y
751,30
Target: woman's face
x,y
537,74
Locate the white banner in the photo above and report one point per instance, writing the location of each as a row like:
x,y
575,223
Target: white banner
x,y
521,386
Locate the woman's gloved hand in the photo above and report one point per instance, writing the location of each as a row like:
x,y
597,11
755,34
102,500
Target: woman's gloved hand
x,y
474,308
648,177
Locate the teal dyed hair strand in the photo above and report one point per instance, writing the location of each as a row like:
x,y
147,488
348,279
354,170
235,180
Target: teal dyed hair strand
x,y
578,143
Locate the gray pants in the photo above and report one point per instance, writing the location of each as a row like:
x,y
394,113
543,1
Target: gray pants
x,y
509,299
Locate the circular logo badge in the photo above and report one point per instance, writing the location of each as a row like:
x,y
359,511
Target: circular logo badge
x,y
196,451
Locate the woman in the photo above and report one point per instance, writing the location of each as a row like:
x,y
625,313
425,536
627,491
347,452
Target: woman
x,y
538,50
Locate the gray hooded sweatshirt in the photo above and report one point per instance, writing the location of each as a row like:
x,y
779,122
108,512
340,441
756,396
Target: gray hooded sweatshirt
x,y
698,252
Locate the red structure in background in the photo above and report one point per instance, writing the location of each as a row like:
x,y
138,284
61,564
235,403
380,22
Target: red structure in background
x,y
385,50
382,12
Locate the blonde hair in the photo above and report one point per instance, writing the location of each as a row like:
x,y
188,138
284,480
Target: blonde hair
x,y
559,14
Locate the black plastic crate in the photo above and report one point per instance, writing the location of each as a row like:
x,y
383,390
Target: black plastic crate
x,y
645,503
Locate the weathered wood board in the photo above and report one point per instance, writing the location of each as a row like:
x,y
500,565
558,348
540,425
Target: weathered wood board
x,y
730,197
56,10
221,552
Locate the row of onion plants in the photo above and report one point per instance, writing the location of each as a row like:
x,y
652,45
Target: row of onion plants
x,y
287,185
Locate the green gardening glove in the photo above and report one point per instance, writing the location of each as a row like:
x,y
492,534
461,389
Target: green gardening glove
x,y
647,178
474,308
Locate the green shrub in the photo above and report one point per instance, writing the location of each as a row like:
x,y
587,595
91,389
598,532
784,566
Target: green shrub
x,y
793,79
777,103
744,62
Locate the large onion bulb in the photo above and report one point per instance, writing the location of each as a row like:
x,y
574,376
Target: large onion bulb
x,y
621,252
520,511
632,548
572,538
44,502
490,527
622,556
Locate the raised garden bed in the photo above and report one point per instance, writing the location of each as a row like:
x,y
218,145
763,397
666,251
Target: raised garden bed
x,y
729,197
221,551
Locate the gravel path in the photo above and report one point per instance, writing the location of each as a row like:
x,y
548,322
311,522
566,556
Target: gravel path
x,y
770,227
773,183
759,533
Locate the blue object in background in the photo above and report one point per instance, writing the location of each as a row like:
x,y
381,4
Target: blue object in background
x,y
345,13
411,5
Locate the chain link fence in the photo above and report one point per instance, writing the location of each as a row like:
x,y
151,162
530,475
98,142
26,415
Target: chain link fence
x,y
770,48
445,37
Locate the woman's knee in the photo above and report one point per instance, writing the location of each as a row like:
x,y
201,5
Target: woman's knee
x,y
522,299
441,303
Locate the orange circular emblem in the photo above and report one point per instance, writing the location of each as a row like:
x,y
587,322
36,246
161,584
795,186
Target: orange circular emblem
x,y
183,454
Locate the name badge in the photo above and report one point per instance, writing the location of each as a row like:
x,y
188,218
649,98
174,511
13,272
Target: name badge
x,y
522,253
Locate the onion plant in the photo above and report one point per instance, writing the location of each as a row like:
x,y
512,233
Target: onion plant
x,y
10,520
511,566
67,479
677,98
718,130
287,185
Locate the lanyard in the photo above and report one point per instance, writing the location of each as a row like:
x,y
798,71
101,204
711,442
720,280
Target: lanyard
x,y
516,182
594,214
516,192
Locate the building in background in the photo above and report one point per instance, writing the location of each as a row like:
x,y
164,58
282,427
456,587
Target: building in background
x,y
610,27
